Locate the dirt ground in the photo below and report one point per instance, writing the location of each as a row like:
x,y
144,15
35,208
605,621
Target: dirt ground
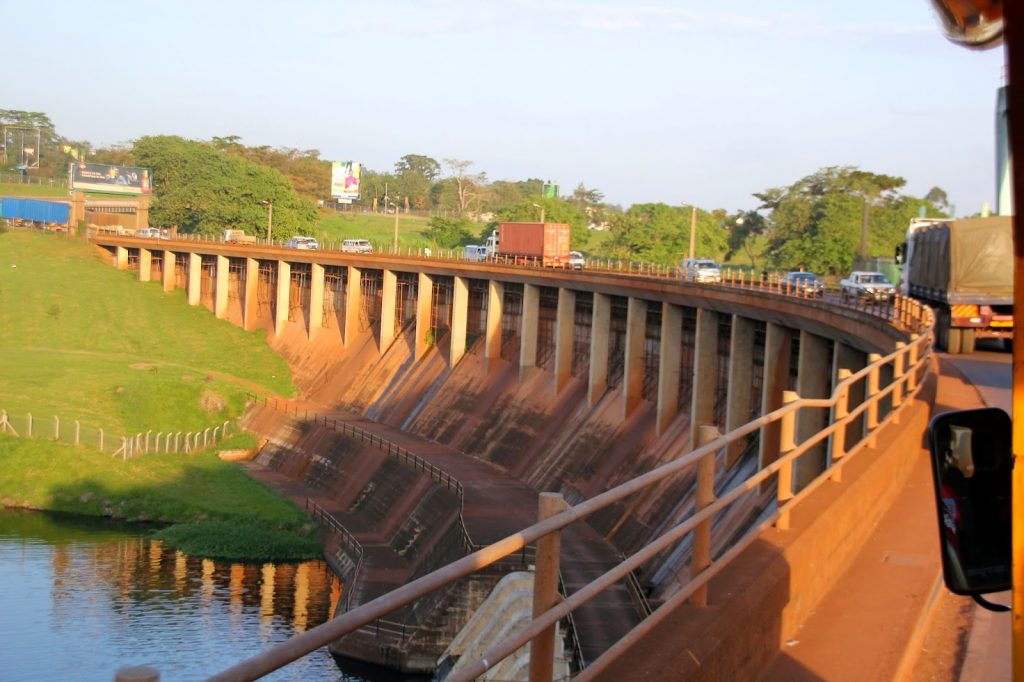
x,y
945,645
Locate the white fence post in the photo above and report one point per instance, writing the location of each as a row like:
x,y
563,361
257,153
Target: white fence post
x,y
147,441
101,440
78,432
29,425
56,427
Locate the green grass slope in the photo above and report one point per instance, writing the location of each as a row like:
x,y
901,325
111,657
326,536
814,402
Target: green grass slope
x,y
84,341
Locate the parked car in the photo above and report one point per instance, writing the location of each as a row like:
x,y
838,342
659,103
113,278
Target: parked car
x,y
870,286
701,270
803,284
307,243
576,260
356,246
150,233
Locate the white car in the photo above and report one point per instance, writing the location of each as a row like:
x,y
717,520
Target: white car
x,y
356,246
576,260
869,286
702,270
307,243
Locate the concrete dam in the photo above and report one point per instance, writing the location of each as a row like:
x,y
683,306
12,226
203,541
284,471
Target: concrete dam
x,y
439,398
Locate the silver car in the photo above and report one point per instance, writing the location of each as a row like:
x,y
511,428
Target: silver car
x,y
701,270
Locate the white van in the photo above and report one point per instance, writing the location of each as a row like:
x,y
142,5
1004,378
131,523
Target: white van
x,y
356,246
474,252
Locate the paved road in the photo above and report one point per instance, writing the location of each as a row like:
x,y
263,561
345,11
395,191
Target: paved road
x,y
988,648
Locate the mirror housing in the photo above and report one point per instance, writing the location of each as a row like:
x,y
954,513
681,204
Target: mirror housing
x,y
971,470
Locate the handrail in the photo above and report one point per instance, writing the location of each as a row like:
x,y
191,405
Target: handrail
x,y
908,382
324,516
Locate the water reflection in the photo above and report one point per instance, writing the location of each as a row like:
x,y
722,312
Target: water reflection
x,y
83,598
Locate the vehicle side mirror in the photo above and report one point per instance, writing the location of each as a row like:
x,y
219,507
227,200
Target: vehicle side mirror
x,y
971,469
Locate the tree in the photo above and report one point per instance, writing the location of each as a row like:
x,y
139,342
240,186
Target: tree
x,y
937,196
742,228
817,222
49,158
584,198
466,184
449,232
422,165
661,234
204,191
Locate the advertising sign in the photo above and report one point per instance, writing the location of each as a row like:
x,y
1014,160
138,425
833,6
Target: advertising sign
x,y
345,179
98,177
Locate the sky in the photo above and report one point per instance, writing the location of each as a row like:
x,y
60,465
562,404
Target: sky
x,y
672,101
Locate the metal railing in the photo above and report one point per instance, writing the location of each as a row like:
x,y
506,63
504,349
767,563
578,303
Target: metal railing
x,y
388,447
908,365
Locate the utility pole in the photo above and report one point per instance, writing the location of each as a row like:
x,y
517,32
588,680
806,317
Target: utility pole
x,y
269,203
693,231
395,203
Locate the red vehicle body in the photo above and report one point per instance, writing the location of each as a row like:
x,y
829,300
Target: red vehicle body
x,y
545,244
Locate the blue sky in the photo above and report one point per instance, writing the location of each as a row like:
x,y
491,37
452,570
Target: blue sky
x,y
702,102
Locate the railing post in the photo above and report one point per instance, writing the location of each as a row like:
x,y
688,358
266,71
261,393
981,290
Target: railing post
x,y
898,365
705,495
872,393
787,443
545,589
78,432
56,427
912,363
101,440
157,448
29,435
147,441
839,412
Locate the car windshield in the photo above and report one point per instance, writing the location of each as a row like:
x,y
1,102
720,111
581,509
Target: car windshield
x,y
875,279
706,264
803,276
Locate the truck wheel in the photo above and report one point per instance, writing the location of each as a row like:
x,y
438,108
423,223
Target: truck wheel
x,y
955,342
967,341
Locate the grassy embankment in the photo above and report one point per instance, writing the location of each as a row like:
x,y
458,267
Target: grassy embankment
x,y
83,341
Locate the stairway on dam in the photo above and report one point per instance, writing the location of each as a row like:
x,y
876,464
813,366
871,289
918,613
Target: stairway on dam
x,y
407,524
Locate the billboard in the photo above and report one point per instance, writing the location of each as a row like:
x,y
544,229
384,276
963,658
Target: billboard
x,y
345,180
98,177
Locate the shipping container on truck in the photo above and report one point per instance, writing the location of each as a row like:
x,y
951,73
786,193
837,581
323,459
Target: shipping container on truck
x,y
964,270
35,211
545,244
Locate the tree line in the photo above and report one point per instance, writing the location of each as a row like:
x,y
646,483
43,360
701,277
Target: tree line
x,y
821,222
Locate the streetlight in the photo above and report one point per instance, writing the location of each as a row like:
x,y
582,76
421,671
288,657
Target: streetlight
x,y
269,203
541,211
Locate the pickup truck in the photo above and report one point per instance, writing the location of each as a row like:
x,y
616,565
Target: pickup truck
x,y
867,286
238,237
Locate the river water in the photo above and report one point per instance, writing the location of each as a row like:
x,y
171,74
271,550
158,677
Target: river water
x,y
80,598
